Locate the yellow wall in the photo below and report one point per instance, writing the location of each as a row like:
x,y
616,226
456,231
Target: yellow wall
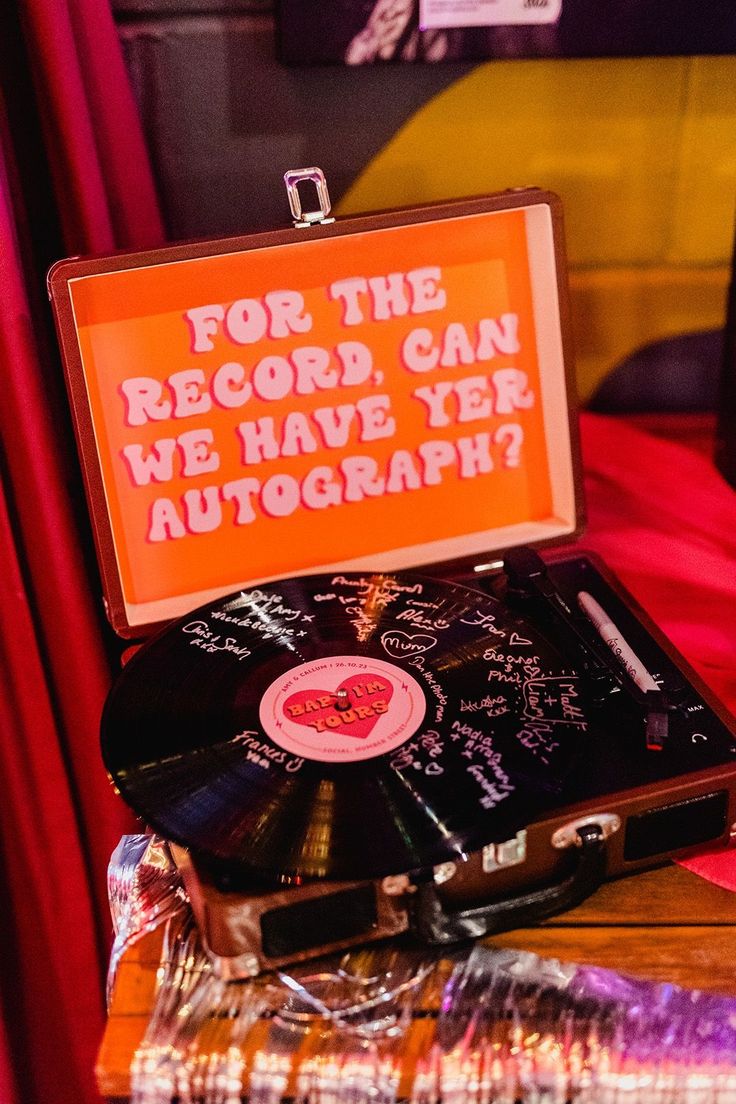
x,y
643,153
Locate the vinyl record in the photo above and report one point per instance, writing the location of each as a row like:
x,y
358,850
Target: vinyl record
x,y
342,726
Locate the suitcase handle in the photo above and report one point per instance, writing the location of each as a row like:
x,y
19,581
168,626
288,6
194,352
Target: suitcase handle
x,y
436,925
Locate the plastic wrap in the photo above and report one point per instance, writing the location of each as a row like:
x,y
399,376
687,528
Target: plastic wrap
x,y
144,890
395,1022
384,1025
514,1026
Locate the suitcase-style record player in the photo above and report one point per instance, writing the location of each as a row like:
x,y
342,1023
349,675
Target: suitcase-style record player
x,y
321,463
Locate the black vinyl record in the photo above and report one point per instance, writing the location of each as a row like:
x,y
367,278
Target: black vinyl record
x,y
342,726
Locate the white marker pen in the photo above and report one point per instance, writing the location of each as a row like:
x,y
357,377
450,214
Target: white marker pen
x,y
611,636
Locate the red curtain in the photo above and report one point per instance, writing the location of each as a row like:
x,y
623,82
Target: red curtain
x,y
58,815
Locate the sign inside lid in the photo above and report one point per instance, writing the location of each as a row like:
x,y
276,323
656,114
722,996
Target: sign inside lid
x,y
378,399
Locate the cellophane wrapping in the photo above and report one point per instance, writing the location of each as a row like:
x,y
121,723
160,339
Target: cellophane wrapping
x,y
397,1022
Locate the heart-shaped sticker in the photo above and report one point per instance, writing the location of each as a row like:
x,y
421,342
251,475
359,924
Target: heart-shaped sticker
x,y
366,698
399,644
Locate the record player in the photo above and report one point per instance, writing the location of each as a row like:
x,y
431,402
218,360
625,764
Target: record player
x,y
320,464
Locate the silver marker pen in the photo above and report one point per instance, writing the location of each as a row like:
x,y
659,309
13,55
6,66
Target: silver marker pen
x,y
611,636
657,722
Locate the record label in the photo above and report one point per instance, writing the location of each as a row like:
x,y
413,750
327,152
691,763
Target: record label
x,y
341,709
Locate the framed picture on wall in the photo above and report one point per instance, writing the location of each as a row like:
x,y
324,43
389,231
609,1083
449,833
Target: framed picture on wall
x,y
360,32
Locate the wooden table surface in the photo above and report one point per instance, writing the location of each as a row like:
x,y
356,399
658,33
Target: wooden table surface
x,y
665,925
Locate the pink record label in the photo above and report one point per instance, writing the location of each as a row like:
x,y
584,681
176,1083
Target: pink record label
x,y
342,709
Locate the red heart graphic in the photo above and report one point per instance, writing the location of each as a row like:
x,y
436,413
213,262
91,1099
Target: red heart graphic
x,y
367,696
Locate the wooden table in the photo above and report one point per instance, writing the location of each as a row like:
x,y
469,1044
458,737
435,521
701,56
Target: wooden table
x,y
665,925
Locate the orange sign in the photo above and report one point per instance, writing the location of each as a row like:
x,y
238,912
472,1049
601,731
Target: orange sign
x,y
325,403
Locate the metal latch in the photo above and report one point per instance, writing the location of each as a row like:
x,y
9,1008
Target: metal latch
x,y
512,852
302,218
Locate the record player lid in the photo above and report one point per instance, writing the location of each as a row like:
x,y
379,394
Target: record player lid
x,y
382,392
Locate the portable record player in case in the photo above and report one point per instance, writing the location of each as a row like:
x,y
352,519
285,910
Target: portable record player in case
x,y
319,463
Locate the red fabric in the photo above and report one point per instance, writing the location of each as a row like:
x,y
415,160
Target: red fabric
x,y
98,156
51,966
665,520
47,543
59,816
8,1081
